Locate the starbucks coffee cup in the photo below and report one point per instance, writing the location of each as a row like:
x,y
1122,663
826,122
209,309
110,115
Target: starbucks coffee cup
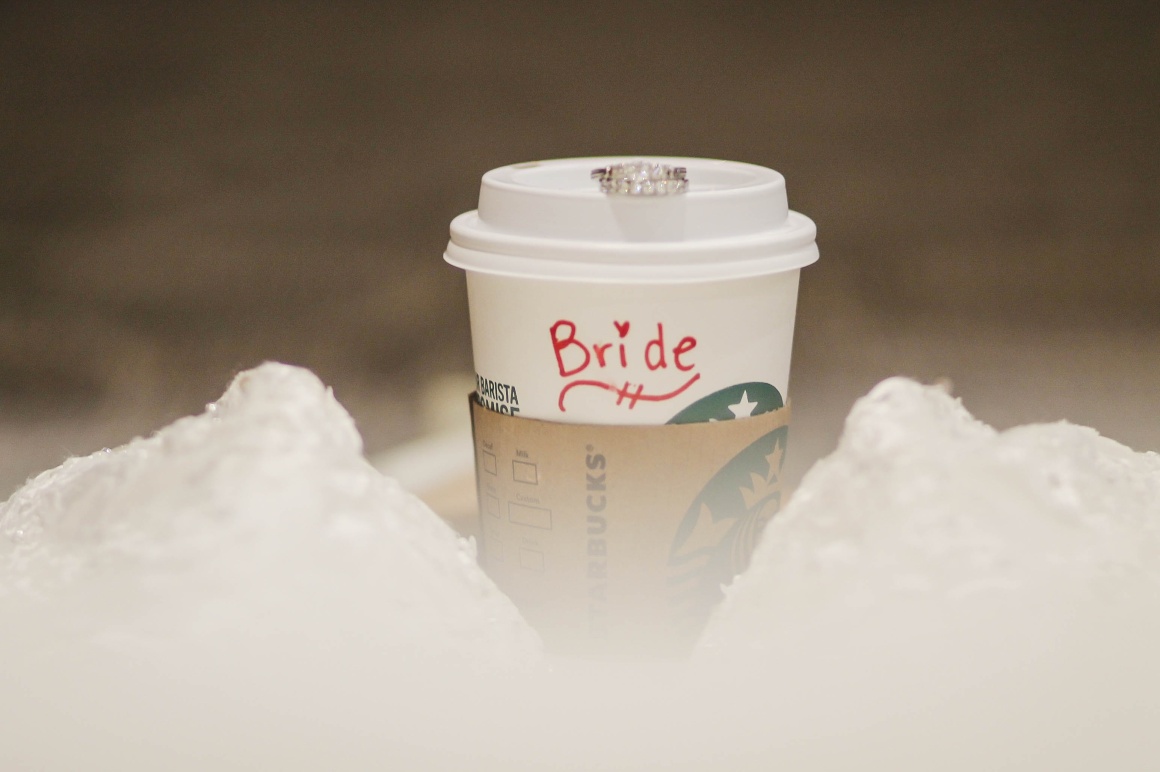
x,y
610,298
619,308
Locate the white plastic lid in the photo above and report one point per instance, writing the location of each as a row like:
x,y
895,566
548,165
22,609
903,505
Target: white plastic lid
x,y
549,219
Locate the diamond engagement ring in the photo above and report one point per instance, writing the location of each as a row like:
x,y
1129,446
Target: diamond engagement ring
x,y
641,178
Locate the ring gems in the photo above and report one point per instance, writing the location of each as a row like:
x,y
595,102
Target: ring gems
x,y
641,178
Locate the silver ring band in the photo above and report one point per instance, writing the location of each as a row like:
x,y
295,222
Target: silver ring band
x,y
641,178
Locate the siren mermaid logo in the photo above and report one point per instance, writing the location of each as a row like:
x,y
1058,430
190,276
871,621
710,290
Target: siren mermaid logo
x,y
717,535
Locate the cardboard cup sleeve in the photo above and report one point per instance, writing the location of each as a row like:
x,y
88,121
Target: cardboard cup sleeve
x,y
617,540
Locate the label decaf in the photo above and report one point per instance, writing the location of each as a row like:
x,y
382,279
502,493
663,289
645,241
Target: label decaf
x,y
615,540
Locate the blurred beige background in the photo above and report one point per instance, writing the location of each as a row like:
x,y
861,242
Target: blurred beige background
x,y
191,188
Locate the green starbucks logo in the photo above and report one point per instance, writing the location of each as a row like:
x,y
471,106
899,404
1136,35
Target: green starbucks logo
x,y
719,530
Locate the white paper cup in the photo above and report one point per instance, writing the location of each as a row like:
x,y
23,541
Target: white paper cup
x,y
616,309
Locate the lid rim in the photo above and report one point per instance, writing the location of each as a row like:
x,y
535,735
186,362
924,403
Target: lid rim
x,y
523,267
470,232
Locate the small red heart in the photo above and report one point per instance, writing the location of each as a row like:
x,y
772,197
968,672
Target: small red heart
x,y
621,327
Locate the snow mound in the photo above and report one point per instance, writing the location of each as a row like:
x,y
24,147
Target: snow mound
x,y
256,524
941,595
243,591
923,505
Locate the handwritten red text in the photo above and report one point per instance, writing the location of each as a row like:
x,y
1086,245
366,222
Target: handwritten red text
x,y
598,359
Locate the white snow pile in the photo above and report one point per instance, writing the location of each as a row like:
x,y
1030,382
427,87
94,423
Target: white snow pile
x,y
922,504
251,594
941,595
257,526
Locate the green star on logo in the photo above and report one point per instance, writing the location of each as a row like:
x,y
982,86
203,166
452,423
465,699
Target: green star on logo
x,y
742,400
